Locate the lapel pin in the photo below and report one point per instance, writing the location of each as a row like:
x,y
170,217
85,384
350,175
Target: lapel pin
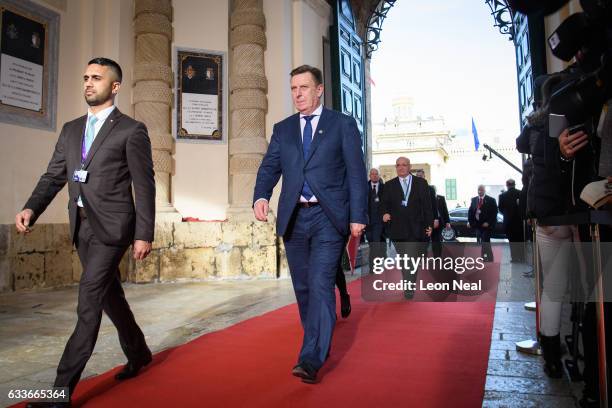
x,y
320,131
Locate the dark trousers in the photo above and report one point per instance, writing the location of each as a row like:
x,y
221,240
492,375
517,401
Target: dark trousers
x,y
99,290
314,247
376,241
413,249
514,233
341,279
436,241
483,236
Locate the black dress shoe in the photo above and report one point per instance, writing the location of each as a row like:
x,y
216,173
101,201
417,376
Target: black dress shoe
x,y
131,369
306,372
345,305
48,405
408,294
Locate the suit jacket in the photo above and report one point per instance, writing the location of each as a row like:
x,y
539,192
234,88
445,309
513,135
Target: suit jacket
x,y
119,157
374,213
335,170
509,205
488,212
408,223
442,210
434,203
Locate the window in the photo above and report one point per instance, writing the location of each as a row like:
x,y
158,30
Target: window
x,y
451,189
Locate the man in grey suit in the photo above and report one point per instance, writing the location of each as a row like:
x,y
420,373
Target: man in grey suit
x,y
100,155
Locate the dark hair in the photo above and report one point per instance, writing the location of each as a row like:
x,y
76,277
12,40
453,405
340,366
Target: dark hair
x,y
107,62
316,73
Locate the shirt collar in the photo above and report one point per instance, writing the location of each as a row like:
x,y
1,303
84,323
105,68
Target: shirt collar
x,y
316,112
102,115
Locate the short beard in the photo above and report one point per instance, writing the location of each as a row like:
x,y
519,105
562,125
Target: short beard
x,y
98,99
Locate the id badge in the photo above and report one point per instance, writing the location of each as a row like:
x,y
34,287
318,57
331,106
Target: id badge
x,y
404,203
80,176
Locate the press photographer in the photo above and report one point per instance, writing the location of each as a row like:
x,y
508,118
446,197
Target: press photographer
x,y
572,146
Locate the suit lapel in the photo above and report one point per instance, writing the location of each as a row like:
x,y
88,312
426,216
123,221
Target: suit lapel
x,y
318,134
413,185
109,123
297,132
297,136
76,148
399,189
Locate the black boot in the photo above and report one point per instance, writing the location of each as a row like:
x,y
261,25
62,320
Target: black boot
x,y
551,350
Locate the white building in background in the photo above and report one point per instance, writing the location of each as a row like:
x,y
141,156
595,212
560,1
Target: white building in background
x,y
450,163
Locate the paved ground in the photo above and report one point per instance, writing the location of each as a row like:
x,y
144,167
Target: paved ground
x,y
516,379
171,314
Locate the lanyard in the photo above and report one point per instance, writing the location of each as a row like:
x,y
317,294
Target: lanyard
x,y
83,149
408,186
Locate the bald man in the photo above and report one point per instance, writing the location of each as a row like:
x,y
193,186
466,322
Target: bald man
x,y
482,216
406,208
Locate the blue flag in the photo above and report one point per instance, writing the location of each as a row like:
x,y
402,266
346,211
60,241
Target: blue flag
x,y
475,133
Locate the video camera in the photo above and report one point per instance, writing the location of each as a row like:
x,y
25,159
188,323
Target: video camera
x,y
586,36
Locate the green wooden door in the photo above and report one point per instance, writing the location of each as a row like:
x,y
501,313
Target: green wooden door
x,y
348,66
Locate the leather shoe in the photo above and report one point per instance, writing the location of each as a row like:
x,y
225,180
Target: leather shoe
x,y
345,305
408,294
305,372
131,369
48,405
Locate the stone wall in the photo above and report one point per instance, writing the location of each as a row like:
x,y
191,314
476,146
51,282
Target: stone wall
x,y
181,251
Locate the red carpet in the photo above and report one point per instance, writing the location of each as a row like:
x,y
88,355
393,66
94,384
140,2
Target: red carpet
x,y
395,354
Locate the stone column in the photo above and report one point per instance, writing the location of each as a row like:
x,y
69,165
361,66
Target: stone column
x,y
152,89
248,103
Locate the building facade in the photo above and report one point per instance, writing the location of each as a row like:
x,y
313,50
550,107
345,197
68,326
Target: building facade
x,y
207,183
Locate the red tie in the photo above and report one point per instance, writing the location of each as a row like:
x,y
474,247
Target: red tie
x,y
480,202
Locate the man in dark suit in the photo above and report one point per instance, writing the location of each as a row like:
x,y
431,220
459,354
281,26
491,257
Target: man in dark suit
x,y
100,155
324,196
406,207
443,222
375,229
513,221
432,193
482,216
434,206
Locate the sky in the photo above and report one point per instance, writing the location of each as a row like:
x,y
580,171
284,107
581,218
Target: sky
x,y
448,56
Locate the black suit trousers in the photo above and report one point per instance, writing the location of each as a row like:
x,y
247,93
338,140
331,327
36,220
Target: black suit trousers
x,y
436,241
99,290
376,242
413,249
483,236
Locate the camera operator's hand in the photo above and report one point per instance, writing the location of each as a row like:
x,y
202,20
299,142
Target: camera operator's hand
x,y
570,144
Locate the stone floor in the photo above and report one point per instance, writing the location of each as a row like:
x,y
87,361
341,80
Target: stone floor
x,y
174,313
170,314
516,379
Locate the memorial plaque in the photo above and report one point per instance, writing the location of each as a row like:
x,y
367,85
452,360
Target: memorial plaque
x,y
28,64
199,95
